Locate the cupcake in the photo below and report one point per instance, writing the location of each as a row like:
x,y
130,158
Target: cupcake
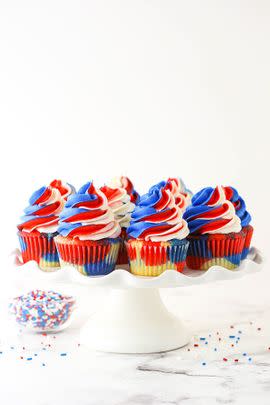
x,y
88,233
38,228
65,189
125,182
122,207
216,236
245,218
157,234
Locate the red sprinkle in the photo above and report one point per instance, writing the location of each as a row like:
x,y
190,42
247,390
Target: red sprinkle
x,y
21,357
236,360
196,345
232,345
224,359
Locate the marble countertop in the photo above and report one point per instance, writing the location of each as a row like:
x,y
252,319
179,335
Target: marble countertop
x,y
218,370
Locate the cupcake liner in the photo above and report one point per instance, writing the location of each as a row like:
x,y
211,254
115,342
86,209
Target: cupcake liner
x,y
41,248
122,254
216,249
90,258
153,258
248,231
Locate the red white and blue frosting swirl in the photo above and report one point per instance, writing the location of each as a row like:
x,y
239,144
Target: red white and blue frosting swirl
x,y
42,214
119,202
157,217
211,213
87,216
125,182
214,196
232,195
65,189
177,187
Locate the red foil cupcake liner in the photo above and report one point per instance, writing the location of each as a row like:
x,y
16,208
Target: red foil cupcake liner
x,y
123,255
90,258
41,248
248,231
215,249
153,258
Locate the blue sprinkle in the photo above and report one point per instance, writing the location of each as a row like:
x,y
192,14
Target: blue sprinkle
x,y
43,364
1,352
238,338
210,335
204,364
215,349
12,347
63,354
249,359
240,331
236,342
232,337
35,354
244,354
202,338
29,358
44,348
206,343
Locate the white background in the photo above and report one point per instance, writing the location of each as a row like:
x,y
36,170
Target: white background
x,y
150,89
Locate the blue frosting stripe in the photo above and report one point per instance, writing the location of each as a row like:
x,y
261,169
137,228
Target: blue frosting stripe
x,y
36,195
79,198
203,196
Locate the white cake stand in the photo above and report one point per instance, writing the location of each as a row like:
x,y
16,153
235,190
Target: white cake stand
x,y
134,319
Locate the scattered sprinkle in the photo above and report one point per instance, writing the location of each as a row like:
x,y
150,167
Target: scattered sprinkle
x,y
236,360
29,358
224,359
196,345
63,354
232,337
202,338
204,364
244,354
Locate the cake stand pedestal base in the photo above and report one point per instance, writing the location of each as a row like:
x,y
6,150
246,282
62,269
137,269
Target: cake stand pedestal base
x,y
134,320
